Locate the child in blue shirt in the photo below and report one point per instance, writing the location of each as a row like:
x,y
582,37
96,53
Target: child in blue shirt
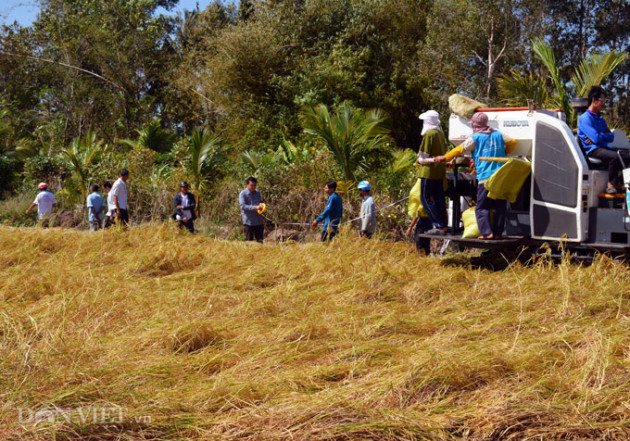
x,y
96,206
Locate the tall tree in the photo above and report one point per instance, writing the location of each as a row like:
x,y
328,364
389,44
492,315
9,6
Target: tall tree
x,y
99,65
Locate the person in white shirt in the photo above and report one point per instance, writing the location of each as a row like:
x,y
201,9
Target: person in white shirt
x,y
110,213
45,202
118,196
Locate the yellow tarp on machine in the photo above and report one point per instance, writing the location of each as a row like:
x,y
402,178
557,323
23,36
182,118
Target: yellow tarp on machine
x,y
506,183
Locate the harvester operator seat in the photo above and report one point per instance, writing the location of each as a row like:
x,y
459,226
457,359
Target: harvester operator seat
x,y
593,163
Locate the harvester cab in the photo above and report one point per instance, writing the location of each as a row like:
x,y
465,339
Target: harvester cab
x,y
563,202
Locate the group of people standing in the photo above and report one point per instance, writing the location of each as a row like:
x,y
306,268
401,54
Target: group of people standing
x,y
111,209
114,210
252,208
485,141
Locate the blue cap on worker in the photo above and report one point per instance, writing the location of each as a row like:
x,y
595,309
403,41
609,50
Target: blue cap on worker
x,y
364,185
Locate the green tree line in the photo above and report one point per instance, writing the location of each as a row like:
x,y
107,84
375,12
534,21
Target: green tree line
x,y
92,85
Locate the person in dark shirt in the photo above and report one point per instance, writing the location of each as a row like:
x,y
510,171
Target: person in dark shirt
x,y
332,213
184,205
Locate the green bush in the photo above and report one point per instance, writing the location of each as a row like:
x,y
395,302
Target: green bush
x,y
42,168
10,175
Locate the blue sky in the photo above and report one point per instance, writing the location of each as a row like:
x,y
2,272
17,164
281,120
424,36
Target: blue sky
x,y
25,11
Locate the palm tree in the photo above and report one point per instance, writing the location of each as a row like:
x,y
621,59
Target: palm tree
x,y
81,154
354,137
593,70
254,160
205,159
545,54
153,137
518,88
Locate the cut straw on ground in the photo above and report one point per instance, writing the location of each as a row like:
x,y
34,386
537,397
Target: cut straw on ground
x,y
194,338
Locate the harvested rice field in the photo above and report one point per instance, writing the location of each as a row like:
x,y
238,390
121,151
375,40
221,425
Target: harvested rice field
x,y
153,334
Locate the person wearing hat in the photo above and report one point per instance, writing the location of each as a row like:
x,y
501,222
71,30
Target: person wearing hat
x,y
45,202
251,205
432,174
119,197
367,218
184,203
485,142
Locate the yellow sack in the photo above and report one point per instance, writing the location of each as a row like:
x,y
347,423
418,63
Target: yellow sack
x,y
471,230
507,181
415,208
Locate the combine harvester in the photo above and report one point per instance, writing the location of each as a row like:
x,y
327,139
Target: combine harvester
x,y
562,203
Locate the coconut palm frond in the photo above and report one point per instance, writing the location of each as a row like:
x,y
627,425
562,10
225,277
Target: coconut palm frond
x,y
517,87
402,161
545,54
253,159
204,150
81,155
351,135
594,69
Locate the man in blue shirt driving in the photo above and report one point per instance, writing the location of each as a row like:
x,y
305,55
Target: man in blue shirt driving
x,y
596,136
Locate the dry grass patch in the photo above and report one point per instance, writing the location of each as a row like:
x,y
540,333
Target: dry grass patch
x,y
206,339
